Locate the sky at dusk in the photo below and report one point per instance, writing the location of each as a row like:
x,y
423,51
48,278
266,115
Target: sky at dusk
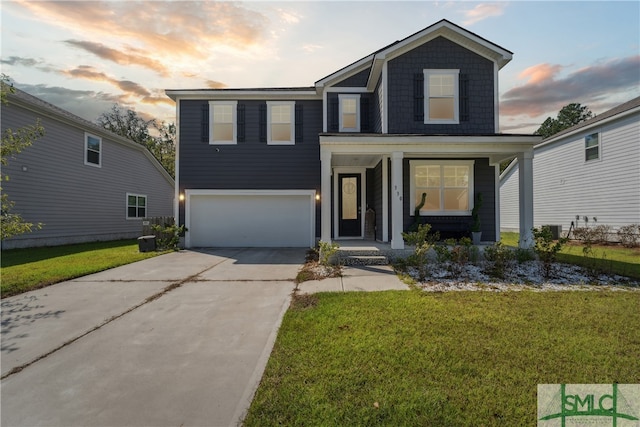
x,y
85,56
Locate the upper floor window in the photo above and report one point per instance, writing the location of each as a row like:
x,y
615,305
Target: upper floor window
x,y
349,115
592,147
441,96
92,150
223,122
281,122
447,186
136,206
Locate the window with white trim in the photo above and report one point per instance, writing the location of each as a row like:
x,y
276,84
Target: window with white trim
x,y
447,184
349,114
441,96
592,147
92,150
136,206
281,122
223,122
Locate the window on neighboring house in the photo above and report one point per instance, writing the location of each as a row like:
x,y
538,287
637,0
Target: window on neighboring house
x,y
281,122
441,96
349,113
136,206
223,119
92,150
592,147
448,186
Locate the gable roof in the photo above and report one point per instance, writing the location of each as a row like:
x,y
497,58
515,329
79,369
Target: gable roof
x,y
30,102
442,28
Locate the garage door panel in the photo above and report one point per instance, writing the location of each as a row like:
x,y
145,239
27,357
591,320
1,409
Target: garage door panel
x,y
250,220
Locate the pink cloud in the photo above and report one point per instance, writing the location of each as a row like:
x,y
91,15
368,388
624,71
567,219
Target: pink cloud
x,y
540,73
483,11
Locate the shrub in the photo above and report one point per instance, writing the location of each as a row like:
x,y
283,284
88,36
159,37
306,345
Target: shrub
x,y
498,257
546,248
422,240
629,235
524,255
326,251
167,237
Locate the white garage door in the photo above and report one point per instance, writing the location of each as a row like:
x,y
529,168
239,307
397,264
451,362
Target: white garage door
x,y
252,218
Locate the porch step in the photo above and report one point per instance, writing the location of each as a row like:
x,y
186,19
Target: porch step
x,y
364,260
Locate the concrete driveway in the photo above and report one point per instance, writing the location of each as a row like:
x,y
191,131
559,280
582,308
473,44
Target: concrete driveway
x,y
176,340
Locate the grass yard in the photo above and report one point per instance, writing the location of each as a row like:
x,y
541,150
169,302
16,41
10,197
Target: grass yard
x,y
448,359
607,258
27,269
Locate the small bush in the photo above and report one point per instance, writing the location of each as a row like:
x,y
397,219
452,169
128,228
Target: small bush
x,y
167,237
498,257
422,240
326,251
629,235
546,248
524,255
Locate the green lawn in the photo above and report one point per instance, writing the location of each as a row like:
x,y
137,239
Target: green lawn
x,y
450,359
608,258
33,268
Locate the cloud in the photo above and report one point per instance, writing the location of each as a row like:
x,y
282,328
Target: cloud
x,y
547,91
132,56
310,48
215,85
16,60
160,28
483,11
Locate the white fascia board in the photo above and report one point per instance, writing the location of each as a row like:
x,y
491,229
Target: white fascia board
x,y
248,192
378,139
345,73
345,89
243,94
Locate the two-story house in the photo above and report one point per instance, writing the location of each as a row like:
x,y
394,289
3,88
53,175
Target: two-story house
x,y
285,166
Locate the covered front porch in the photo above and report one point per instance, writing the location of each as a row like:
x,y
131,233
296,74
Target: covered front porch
x,y
382,175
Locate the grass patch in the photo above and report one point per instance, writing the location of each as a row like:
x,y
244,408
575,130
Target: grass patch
x,y
27,269
613,259
449,359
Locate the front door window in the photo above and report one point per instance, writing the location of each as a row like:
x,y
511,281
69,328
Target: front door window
x,y
350,224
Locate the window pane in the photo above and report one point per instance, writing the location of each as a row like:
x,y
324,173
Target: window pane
x,y
428,176
131,212
456,176
223,132
432,201
441,108
349,106
281,114
592,153
131,201
142,201
142,212
281,132
93,143
349,121
349,198
591,140
93,157
223,114
441,85
456,199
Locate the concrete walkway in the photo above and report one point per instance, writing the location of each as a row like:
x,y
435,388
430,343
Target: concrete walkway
x,y
181,339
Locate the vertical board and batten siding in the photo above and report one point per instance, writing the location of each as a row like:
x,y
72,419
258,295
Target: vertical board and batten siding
x,y
441,53
565,185
250,164
74,201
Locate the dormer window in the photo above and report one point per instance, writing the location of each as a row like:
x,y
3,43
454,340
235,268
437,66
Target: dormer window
x,y
349,113
441,97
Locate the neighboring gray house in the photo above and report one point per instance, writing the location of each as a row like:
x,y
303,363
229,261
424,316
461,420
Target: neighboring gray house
x,y
286,166
81,181
591,169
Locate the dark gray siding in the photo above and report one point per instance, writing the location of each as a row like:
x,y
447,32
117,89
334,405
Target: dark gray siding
x,y
484,182
250,164
76,202
377,108
441,53
357,80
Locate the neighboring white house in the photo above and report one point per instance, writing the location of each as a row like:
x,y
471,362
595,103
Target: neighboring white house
x,y
591,169
82,182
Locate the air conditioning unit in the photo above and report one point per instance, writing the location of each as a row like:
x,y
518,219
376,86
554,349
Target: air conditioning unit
x,y
556,231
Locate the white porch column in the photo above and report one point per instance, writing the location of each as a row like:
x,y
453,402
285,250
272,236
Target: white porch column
x,y
525,169
385,198
396,200
325,195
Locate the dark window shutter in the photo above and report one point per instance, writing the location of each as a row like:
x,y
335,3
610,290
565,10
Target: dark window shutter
x,y
204,130
333,114
298,119
418,97
464,97
364,115
240,124
263,122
